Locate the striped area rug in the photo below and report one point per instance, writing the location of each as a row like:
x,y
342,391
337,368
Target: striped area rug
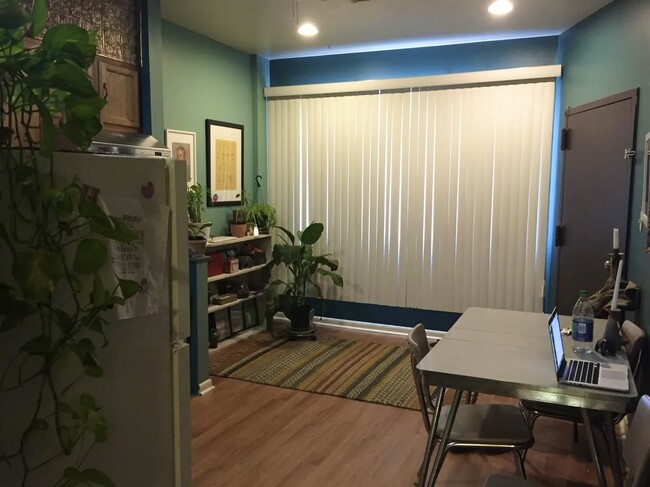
x,y
355,370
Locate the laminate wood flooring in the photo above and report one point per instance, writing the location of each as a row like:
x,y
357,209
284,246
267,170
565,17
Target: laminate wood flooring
x,y
249,435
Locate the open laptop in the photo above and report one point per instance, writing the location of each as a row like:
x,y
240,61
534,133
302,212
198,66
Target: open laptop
x,y
600,375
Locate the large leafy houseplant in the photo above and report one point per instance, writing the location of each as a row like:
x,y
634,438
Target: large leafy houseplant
x,y
53,246
296,254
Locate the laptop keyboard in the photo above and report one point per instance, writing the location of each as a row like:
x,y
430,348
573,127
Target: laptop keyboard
x,y
583,371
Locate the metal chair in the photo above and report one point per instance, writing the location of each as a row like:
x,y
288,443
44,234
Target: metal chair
x,y
636,453
487,426
633,343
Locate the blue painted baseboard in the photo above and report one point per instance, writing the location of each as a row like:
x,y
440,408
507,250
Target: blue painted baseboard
x,y
387,315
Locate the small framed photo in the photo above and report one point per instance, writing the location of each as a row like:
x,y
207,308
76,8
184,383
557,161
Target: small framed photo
x,y
224,162
183,147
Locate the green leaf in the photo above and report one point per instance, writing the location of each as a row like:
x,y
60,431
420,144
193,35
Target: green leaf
x,y
39,17
292,239
97,325
90,257
336,278
47,131
129,288
84,108
99,292
312,233
11,15
94,370
63,320
37,346
88,401
93,212
37,272
96,477
116,230
70,43
81,132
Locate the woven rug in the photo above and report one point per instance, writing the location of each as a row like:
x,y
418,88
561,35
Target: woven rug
x,y
355,370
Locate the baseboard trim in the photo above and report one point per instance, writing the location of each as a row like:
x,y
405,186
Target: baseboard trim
x,y
337,323
205,387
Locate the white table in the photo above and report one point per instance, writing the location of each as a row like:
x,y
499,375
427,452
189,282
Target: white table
x,y
508,353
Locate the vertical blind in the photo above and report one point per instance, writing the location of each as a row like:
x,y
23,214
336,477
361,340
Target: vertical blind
x,y
431,199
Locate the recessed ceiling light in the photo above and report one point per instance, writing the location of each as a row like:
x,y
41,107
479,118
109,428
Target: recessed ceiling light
x,y
500,7
307,29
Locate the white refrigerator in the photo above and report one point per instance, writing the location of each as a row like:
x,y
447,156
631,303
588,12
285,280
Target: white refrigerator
x,y
144,392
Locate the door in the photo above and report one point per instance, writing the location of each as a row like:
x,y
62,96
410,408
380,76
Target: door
x,y
595,192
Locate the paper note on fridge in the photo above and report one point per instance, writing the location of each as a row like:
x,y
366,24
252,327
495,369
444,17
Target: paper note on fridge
x,y
142,260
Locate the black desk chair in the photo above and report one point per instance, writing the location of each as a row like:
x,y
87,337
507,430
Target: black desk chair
x,y
488,426
636,454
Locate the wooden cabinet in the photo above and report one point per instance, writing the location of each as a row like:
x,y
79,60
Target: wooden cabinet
x,y
119,84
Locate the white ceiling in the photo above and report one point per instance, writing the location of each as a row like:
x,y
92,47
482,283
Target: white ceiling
x,y
268,27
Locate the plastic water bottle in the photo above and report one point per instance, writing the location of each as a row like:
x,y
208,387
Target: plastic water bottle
x,y
583,325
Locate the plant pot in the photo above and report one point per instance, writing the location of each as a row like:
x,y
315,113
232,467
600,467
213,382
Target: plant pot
x,y
302,317
238,229
197,245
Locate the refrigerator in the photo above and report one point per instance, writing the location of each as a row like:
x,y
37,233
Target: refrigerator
x,y
145,391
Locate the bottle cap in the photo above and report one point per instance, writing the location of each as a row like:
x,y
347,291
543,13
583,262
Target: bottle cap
x,y
584,293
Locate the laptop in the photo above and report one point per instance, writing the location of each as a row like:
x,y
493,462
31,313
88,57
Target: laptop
x,y
600,375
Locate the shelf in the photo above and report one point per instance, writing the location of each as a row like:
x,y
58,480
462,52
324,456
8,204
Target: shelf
x,y
218,307
234,241
225,275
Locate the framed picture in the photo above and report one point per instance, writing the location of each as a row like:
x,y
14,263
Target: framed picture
x,y
183,147
224,162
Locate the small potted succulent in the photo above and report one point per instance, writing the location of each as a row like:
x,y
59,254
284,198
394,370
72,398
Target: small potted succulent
x,y
198,231
239,222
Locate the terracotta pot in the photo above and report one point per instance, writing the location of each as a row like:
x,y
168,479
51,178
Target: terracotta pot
x,y
238,230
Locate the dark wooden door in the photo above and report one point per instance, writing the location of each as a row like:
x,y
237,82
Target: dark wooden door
x,y
595,192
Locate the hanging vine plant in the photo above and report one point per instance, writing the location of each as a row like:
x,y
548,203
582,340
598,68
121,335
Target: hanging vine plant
x,y
53,246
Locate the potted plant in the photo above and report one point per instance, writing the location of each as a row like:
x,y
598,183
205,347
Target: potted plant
x,y
239,222
197,234
261,214
54,288
303,265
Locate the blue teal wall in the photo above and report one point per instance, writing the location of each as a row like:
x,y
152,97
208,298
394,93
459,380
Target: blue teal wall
x,y
203,79
424,61
606,54
151,81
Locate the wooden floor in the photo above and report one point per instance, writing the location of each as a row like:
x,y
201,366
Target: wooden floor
x,y
249,435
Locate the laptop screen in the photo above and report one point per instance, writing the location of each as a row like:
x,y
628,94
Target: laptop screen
x,y
556,340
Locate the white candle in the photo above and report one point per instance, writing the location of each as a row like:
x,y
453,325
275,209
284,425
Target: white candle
x,y
615,239
617,286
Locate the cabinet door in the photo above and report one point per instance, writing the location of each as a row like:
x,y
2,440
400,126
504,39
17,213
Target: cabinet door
x,y
119,85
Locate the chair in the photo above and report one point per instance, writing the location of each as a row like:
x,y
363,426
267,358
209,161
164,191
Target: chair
x,y
488,426
633,343
636,453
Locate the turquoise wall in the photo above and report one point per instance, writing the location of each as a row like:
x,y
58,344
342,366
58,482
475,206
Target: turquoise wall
x,y
606,54
424,61
203,79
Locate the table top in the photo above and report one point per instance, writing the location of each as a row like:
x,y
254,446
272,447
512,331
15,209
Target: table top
x,y
509,353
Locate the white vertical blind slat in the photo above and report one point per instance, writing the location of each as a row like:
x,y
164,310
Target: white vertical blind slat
x,y
433,199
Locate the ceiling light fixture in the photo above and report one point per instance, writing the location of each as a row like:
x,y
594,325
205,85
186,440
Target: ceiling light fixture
x,y
307,29
500,7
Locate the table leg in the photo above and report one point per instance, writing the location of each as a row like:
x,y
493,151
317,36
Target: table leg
x,y
453,409
592,446
614,455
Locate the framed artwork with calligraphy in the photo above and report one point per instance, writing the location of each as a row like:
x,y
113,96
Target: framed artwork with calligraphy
x,y
224,162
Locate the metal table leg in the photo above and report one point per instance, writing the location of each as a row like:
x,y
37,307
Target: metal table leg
x,y
431,441
442,449
592,446
614,455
